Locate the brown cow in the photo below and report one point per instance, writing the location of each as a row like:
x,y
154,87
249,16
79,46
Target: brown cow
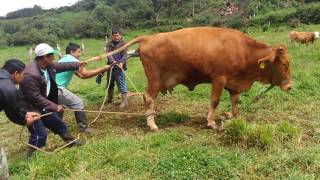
x,y
226,58
303,37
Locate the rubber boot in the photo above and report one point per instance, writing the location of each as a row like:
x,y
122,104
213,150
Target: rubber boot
x,y
82,121
66,137
124,101
30,152
110,96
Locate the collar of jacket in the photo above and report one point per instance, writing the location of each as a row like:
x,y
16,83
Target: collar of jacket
x,y
39,68
114,44
4,74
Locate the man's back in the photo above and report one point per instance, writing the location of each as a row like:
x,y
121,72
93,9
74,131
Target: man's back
x,y
63,79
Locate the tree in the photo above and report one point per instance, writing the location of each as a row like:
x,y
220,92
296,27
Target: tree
x,y
26,12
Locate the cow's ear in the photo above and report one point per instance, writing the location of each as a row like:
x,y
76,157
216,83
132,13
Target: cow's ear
x,y
269,58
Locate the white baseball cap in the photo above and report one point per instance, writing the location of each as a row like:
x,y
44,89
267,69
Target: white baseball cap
x,y
44,49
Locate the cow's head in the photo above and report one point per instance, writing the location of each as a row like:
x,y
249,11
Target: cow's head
x,y
316,35
277,64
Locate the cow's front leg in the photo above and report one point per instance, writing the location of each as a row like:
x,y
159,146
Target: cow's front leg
x,y
217,89
234,103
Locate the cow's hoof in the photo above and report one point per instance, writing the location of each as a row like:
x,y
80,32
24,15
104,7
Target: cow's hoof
x,y
221,127
212,126
227,115
154,128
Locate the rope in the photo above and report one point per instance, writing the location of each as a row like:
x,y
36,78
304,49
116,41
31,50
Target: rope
x,y
106,112
42,150
105,97
132,84
258,97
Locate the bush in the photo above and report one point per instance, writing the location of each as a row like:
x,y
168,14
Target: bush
x,y
260,136
294,22
308,14
235,132
286,131
3,43
241,133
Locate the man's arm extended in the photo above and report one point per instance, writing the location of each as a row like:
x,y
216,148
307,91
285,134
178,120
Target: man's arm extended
x,y
85,73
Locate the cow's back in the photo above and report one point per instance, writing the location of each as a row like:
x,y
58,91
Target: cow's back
x,y
210,50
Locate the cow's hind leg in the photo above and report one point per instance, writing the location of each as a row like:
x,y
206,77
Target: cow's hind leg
x,y
149,98
218,86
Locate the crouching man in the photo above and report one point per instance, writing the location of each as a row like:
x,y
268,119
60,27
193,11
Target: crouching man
x,y
66,97
10,74
40,93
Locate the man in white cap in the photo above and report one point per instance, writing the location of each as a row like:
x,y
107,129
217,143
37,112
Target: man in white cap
x,y
40,93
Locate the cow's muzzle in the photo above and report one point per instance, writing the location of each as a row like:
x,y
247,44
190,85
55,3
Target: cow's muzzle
x,y
286,86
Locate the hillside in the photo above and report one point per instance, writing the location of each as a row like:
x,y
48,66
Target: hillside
x,y
95,18
275,138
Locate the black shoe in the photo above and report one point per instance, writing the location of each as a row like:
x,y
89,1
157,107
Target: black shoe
x,y
77,142
86,130
99,78
66,136
30,152
82,121
110,96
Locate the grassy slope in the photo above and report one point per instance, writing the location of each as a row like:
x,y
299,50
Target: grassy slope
x,y
123,147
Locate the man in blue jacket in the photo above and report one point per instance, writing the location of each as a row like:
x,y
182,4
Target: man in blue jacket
x,y
117,74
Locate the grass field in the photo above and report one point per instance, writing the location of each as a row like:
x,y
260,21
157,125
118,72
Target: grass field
x,y
277,137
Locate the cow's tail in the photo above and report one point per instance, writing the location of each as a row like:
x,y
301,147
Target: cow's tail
x,y
126,46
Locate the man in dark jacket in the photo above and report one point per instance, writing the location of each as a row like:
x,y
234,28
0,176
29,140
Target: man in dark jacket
x,y
10,74
40,93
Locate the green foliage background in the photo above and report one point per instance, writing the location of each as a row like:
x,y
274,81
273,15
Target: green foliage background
x,y
96,18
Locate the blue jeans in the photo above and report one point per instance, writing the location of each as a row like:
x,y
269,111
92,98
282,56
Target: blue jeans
x,y
38,132
119,77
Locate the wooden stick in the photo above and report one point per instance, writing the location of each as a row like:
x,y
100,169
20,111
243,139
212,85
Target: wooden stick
x,y
47,114
96,58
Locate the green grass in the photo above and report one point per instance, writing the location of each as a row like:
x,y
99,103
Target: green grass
x,y
277,137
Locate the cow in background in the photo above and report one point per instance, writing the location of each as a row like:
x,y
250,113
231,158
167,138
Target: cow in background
x,y
303,37
225,58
